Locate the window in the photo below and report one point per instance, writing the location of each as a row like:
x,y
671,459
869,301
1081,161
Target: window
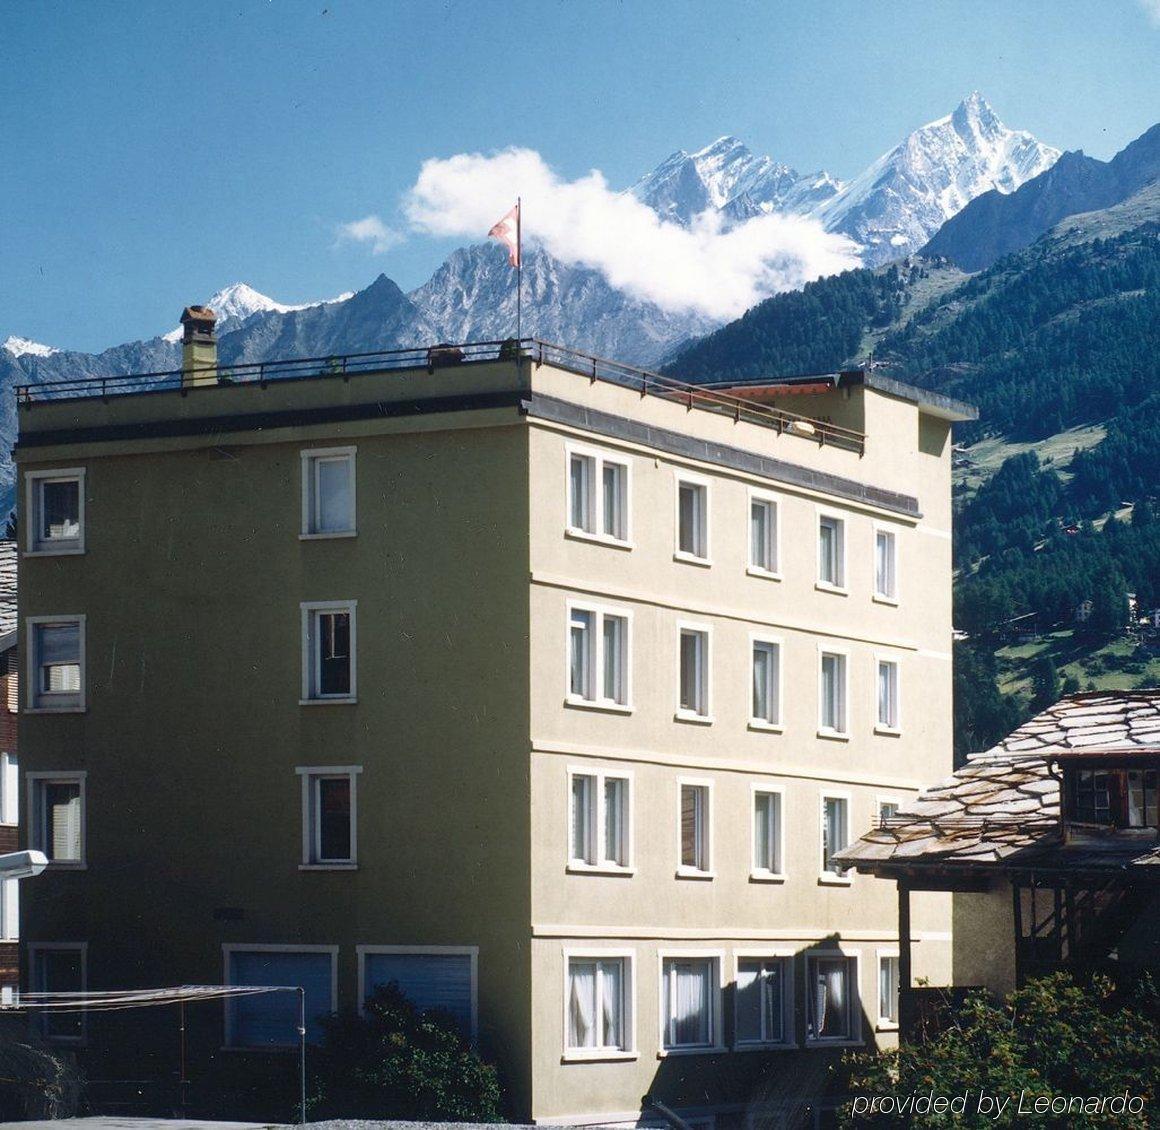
x,y
432,978
690,1003
763,535
835,833
888,990
888,716
56,662
328,502
598,1005
693,675
1093,796
328,651
56,511
692,520
59,968
767,833
270,1020
329,816
887,810
600,820
694,828
831,1008
832,715
598,496
763,1001
57,807
885,565
1119,798
831,552
765,708
598,657
1142,811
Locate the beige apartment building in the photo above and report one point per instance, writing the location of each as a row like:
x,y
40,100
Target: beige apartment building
x,y
539,685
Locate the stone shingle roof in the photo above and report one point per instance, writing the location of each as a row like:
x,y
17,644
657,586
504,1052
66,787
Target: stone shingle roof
x,y
1002,807
7,586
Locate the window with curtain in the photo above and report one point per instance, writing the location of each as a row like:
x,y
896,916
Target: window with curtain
x,y
766,676
694,827
59,969
597,656
767,832
689,1002
440,982
888,989
888,694
330,670
1141,797
56,518
270,1020
830,1004
761,1000
56,663
598,496
694,672
599,833
833,693
831,551
58,818
835,832
328,491
763,535
885,564
598,992
692,519
614,499
581,488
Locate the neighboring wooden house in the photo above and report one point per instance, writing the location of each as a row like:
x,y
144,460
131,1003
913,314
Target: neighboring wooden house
x,y
9,699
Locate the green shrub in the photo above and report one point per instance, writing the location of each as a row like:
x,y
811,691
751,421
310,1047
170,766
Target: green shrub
x,y
36,1082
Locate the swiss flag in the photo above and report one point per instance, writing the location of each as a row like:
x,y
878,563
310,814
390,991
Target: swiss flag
x,y
507,231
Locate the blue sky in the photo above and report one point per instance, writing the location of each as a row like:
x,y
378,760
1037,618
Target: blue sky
x,y
153,152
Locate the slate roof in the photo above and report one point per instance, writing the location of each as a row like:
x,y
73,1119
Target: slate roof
x,y
1002,807
8,557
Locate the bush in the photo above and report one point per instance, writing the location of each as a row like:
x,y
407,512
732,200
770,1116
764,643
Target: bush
x,y
395,1062
36,1082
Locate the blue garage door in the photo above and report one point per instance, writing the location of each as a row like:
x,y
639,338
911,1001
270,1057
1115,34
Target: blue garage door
x,y
428,980
271,1019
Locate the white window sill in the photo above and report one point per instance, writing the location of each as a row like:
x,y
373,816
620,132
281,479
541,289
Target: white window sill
x,y
766,727
889,731
55,551
755,1046
327,701
715,1049
689,716
766,877
882,598
837,590
764,574
328,867
692,559
834,735
597,1055
54,710
328,536
829,879
607,706
577,868
695,873
597,539
886,1026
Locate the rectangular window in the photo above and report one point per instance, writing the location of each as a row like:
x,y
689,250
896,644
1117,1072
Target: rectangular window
x,y
835,832
56,511
1142,811
692,520
329,815
435,978
270,1020
56,662
765,708
690,1000
888,715
695,829
598,496
885,565
598,1004
888,989
831,1008
832,715
328,651
57,807
598,657
766,832
328,494
831,551
59,969
693,700
600,820
763,535
1093,796
887,810
763,999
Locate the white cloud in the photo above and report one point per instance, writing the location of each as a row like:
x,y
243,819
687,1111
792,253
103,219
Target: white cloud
x,y
1151,10
705,268
372,231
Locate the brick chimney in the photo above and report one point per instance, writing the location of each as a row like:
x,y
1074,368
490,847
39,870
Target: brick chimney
x,y
198,346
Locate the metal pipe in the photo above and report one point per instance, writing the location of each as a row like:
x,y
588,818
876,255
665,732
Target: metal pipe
x,y
301,1056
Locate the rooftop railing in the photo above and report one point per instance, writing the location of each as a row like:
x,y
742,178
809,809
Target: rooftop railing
x,y
342,366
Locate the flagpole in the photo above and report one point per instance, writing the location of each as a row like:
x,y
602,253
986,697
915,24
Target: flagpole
x,y
519,277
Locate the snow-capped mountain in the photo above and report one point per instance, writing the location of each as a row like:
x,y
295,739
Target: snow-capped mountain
x,y
235,303
21,346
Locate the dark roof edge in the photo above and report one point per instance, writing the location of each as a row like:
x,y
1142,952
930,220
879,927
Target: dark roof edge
x,y
933,403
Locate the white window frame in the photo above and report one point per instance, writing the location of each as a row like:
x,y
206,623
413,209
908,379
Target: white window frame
x,y
598,459
311,669
472,952
70,703
599,613
881,727
9,786
826,877
309,479
716,1004
706,680
884,1023
840,586
33,482
36,948
760,874
843,655
703,484
34,783
311,824
628,1004
878,595
10,910
854,987
684,871
883,800
596,829
755,723
771,501
230,948
786,958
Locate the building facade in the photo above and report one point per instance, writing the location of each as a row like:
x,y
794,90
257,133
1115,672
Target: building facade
x,y
540,686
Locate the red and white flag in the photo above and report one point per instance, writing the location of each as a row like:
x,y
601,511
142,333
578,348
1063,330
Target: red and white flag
x,y
507,231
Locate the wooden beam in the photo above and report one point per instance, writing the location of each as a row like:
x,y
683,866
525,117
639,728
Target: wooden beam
x,y
904,972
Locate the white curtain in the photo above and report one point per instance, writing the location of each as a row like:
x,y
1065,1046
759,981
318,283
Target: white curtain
x,y
582,1005
614,820
582,818
748,1001
613,639
581,632
688,988
580,470
830,1001
334,498
759,535
886,694
611,998
884,572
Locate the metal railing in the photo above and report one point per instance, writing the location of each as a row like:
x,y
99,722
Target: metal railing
x,y
343,366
